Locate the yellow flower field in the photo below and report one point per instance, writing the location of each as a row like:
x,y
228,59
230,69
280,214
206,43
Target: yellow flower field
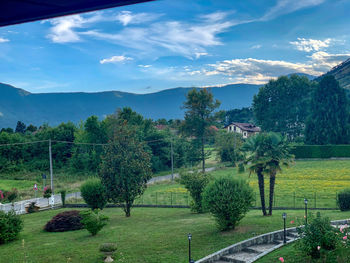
x,y
319,180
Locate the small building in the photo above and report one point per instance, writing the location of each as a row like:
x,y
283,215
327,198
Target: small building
x,y
246,129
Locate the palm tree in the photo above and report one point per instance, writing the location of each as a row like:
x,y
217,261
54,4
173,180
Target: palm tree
x,y
266,154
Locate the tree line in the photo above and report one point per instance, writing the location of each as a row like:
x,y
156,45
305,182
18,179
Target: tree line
x,y
304,111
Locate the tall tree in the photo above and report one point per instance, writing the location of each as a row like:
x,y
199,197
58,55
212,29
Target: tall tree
x,y
20,127
282,105
328,122
125,167
266,153
199,116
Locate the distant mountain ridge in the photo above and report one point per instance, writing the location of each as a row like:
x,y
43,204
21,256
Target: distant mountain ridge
x,y
54,108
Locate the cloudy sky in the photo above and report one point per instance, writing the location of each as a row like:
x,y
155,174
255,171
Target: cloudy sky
x,y
165,44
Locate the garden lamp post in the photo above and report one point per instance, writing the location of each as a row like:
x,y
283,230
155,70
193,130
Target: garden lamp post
x,y
189,248
305,201
284,216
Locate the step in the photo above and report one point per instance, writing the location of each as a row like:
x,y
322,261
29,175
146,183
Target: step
x,y
260,248
293,234
240,257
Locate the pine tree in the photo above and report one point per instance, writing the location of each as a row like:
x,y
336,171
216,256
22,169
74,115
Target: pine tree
x,y
328,122
200,106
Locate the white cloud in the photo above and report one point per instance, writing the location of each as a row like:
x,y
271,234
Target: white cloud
x,y
174,36
64,28
309,45
115,59
288,6
199,54
256,47
259,71
127,17
1,114
252,70
214,17
3,40
324,61
145,66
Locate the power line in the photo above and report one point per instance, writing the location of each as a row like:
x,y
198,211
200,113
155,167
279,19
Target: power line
x,y
22,143
86,143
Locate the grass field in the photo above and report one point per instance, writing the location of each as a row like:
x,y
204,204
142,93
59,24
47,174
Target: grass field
x,y
150,235
319,181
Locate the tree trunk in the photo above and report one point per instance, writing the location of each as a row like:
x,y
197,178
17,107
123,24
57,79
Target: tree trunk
x,y
262,191
203,156
272,189
127,209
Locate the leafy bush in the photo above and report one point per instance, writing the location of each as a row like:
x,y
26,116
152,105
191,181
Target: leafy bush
x,y
63,197
317,234
65,221
94,194
227,145
2,196
343,200
108,247
94,221
12,195
47,192
195,183
10,226
228,199
241,168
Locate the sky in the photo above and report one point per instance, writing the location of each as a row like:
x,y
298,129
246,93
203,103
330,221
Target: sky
x,y
165,44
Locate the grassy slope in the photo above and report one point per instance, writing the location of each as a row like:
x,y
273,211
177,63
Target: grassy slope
x,y
149,235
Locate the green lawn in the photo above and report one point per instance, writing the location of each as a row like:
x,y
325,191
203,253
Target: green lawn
x,y
149,235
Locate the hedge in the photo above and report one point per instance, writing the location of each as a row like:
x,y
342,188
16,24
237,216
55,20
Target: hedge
x,y
320,151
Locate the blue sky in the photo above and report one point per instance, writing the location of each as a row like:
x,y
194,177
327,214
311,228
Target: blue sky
x,y
166,44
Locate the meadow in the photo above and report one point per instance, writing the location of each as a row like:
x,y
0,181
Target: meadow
x,y
150,235
317,180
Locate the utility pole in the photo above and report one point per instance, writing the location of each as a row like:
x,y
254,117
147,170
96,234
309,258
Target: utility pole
x,y
172,160
234,150
51,172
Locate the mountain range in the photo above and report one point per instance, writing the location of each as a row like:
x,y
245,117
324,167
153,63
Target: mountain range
x,y
54,108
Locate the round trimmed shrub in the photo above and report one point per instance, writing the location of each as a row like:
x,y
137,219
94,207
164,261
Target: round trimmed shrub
x,y
228,200
10,226
65,221
94,221
343,200
94,194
